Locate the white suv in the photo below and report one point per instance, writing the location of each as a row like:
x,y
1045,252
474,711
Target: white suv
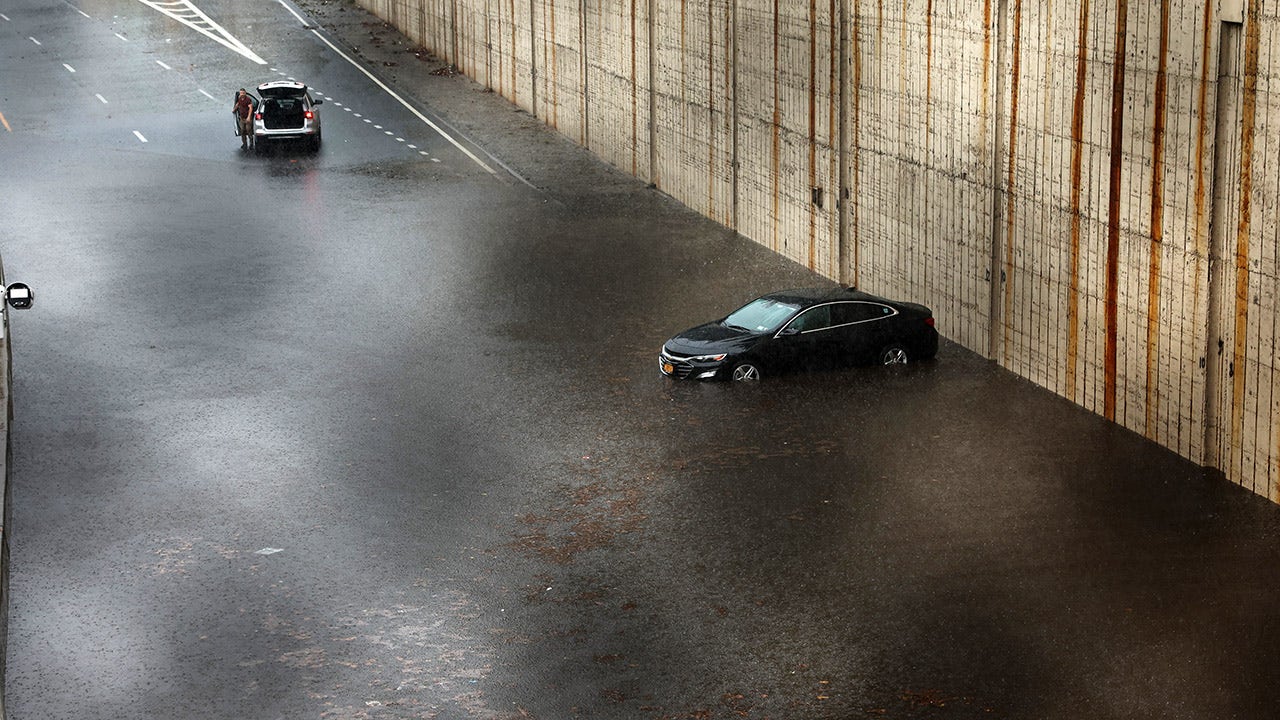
x,y
286,112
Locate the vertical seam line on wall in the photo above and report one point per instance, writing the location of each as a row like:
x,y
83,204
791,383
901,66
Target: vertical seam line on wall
x,y
584,68
553,63
711,114
533,56
813,131
635,99
1077,162
653,94
835,55
1010,186
775,133
992,109
848,215
927,171
1152,405
1200,231
733,125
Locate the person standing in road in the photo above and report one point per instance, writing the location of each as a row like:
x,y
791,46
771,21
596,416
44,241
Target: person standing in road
x,y
244,118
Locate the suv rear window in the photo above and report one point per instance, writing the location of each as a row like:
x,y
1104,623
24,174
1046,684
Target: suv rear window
x,y
282,92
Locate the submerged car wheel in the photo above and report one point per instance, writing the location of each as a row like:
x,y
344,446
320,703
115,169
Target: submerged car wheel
x,y
894,355
746,372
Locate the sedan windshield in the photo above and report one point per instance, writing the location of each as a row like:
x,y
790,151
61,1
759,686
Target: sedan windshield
x,y
763,315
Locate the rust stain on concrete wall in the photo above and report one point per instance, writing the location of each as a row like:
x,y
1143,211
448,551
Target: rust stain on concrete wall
x,y
1112,298
1248,117
1011,181
1157,224
1077,163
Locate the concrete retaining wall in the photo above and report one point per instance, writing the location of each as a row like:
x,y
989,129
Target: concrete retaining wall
x,y
1084,190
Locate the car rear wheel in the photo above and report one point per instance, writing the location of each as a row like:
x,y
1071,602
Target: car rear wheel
x,y
894,355
746,372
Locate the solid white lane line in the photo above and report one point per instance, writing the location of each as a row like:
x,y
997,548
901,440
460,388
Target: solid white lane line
x,y
202,92
393,94
161,64
68,67
140,137
104,100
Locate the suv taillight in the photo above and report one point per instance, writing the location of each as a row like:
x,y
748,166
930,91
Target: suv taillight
x,y
309,115
929,321
257,116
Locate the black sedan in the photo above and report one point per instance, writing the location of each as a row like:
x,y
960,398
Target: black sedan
x,y
802,328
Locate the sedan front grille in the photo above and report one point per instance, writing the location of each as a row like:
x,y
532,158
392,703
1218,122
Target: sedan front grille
x,y
678,368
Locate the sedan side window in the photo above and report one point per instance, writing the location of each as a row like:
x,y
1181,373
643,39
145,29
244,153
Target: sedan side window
x,y
856,312
815,318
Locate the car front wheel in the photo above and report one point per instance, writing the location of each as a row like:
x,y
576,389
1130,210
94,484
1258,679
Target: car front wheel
x,y
746,372
894,355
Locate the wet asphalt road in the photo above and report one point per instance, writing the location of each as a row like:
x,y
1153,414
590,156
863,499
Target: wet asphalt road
x,y
432,390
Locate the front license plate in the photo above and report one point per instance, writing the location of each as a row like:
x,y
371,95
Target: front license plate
x,y
668,368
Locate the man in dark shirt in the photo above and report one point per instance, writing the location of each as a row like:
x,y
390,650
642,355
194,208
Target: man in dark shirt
x,y
244,117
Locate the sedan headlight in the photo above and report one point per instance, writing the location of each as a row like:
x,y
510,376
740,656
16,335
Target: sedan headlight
x,y
710,358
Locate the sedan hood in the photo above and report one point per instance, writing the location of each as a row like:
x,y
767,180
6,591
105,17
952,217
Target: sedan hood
x,y
712,338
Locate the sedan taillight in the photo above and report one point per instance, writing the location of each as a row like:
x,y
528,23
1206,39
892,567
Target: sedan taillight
x,y
929,321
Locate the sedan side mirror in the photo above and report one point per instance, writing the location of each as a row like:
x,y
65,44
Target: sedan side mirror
x,y
19,296
788,331
317,101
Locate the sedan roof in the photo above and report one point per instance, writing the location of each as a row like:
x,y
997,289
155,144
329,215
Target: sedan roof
x,y
813,295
